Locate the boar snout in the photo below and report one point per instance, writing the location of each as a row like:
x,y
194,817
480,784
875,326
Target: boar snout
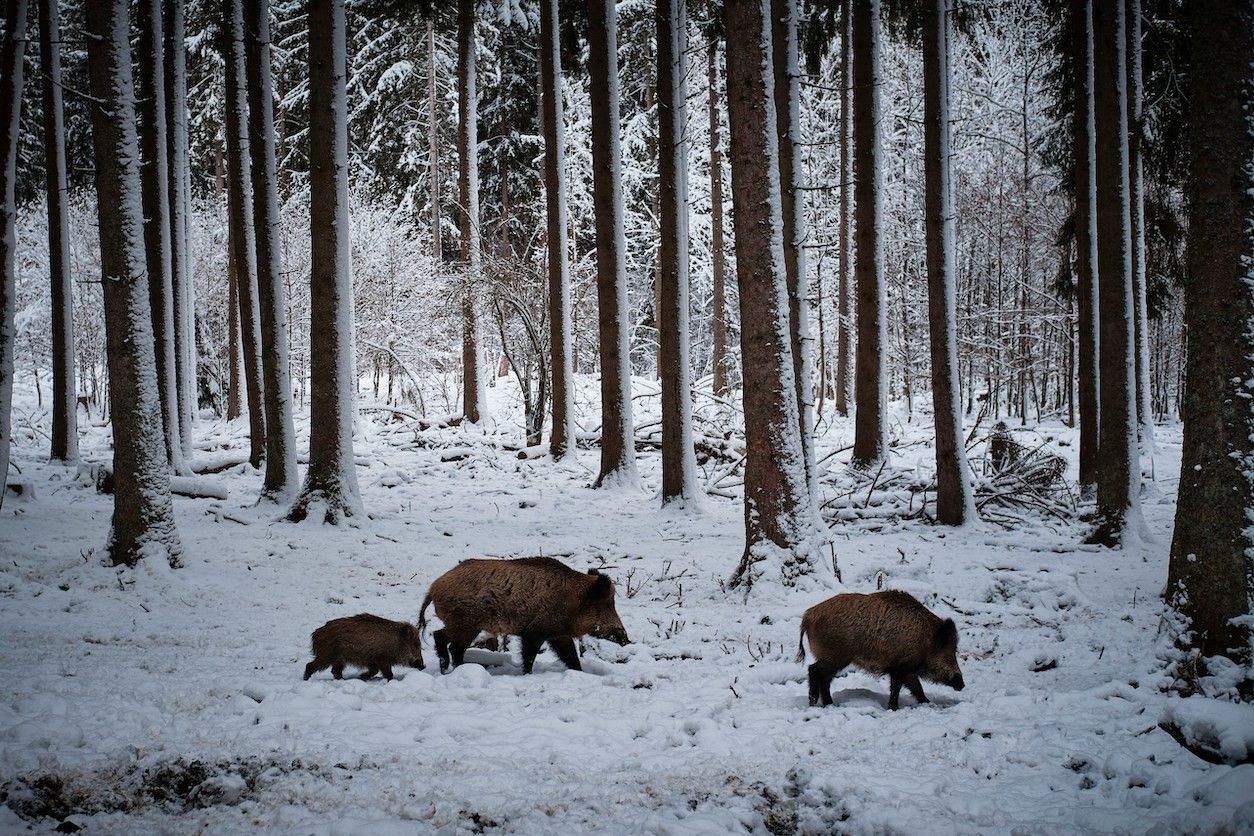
x,y
956,683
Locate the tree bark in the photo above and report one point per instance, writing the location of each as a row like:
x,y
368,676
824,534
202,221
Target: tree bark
x,y
143,514
1210,579
955,502
12,52
281,476
1119,473
679,464
64,402
718,350
244,242
618,452
844,291
331,479
179,182
473,396
778,516
870,444
562,435
1084,138
1136,194
433,149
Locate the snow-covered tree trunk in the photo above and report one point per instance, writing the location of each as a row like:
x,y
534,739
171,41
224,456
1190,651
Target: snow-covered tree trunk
x,y
1119,472
154,182
1211,573
679,463
844,289
1083,141
778,519
179,182
474,399
1136,195
788,131
562,435
243,238
64,402
433,148
281,476
12,51
718,267
870,442
143,515
955,502
618,450
331,480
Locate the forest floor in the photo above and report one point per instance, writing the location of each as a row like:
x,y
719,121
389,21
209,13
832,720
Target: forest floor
x,y
159,700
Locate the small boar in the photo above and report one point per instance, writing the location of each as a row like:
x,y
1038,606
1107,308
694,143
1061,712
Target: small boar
x,y
538,599
366,641
883,632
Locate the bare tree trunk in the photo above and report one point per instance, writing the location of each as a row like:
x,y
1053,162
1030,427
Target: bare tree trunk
x,y
1211,577
235,361
870,444
778,515
281,476
1140,311
433,149
239,198
1119,473
64,402
1084,137
143,515
618,451
179,184
955,502
12,51
788,134
844,292
473,396
331,480
718,350
562,436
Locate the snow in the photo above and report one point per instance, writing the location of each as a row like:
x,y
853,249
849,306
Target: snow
x,y
1226,728
173,699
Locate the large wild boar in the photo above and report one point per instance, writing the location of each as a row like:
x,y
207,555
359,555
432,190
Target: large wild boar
x,y
366,641
883,632
538,599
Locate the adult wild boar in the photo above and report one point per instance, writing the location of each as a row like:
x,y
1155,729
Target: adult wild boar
x,y
365,641
538,599
883,632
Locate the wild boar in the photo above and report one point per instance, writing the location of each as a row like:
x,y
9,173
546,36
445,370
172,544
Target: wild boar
x,y
538,599
365,641
883,632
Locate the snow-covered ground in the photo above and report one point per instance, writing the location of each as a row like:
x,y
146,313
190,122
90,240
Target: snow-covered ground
x,y
172,701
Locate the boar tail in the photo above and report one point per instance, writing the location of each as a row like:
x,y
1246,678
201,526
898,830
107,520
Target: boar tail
x,y
801,641
422,615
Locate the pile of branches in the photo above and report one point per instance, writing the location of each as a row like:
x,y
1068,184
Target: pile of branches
x,y
1014,479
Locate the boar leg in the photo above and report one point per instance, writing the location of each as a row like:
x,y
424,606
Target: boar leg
x,y
564,647
894,689
531,644
441,649
458,641
369,672
315,666
337,670
821,684
387,672
916,688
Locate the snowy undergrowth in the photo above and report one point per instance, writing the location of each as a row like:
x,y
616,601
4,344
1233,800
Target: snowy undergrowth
x,y
172,699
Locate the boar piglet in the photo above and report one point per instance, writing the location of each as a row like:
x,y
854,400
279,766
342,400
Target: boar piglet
x,y
538,599
883,632
365,641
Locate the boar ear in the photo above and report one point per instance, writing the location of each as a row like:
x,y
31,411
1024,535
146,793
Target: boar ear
x,y
946,634
601,587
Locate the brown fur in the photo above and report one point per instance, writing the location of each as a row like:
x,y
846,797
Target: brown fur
x,y
536,598
365,641
883,632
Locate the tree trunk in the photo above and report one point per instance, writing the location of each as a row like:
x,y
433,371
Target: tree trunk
x,y
281,476
331,480
718,350
1136,196
154,181
955,502
778,516
64,402
179,182
844,292
562,436
788,134
679,463
1119,473
1084,137
433,149
143,515
618,452
1211,577
870,443
12,51
239,198
473,396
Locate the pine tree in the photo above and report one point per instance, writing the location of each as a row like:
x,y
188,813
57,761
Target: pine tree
x,y
1136,197
473,397
1083,140
12,51
179,182
844,290
719,360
